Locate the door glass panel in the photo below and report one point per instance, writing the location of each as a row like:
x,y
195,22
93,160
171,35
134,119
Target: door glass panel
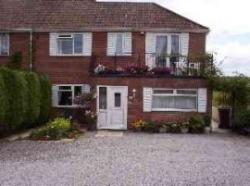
x,y
103,98
117,99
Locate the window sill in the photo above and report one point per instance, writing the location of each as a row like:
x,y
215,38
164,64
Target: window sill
x,y
174,110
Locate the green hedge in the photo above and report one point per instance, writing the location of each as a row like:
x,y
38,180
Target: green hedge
x,y
25,99
3,103
45,102
34,97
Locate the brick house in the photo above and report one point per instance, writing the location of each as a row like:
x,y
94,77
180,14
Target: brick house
x,y
133,56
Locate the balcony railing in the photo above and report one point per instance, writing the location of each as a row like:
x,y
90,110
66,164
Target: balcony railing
x,y
135,64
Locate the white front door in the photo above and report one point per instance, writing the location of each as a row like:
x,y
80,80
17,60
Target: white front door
x,y
112,107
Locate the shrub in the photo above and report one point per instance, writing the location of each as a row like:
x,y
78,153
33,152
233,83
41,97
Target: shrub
x,y
174,127
196,124
34,97
243,120
151,127
3,103
16,97
54,130
45,101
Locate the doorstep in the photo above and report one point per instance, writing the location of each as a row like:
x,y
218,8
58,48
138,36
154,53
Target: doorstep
x,y
107,133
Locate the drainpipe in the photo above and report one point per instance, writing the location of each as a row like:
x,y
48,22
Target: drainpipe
x,y
31,50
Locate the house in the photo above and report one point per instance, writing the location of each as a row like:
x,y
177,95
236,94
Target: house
x,y
134,56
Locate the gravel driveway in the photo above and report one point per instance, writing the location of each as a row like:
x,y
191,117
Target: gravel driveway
x,y
134,159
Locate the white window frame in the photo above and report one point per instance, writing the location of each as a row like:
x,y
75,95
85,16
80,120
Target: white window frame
x,y
73,45
73,94
8,47
123,53
174,95
169,45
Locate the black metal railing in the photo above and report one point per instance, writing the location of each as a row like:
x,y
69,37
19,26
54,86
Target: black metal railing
x,y
150,64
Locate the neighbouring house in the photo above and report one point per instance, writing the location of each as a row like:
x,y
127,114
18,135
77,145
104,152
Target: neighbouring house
x,y
134,56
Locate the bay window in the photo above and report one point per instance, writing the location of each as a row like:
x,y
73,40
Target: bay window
x,y
174,100
4,44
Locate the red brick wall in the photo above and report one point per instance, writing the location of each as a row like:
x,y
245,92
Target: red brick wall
x,y
19,42
197,44
135,107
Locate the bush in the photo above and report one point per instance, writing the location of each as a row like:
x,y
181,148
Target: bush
x,y
196,124
138,125
34,96
243,120
15,61
16,88
3,103
45,101
151,127
54,130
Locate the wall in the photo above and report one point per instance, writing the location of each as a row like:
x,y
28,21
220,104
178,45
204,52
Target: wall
x,y
135,107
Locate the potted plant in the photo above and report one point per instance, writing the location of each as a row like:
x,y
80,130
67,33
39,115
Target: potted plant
x,y
138,125
163,128
196,124
184,127
161,71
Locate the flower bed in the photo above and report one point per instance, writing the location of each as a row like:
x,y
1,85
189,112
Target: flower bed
x,y
55,130
193,125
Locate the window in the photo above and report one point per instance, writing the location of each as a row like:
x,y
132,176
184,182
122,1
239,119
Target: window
x,y
65,95
175,48
103,98
119,44
117,99
161,51
174,100
70,44
4,44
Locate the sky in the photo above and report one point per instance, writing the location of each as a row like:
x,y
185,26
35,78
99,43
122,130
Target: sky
x,y
229,22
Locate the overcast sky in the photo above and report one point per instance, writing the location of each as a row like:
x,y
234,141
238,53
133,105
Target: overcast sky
x,y
229,22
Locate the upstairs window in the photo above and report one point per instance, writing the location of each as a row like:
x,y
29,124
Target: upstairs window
x,y
70,44
4,44
119,44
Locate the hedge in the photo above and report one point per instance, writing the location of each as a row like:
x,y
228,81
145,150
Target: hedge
x,y
15,87
34,96
3,103
25,100
45,102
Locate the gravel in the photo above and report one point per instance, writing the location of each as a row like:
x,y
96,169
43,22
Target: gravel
x,y
134,159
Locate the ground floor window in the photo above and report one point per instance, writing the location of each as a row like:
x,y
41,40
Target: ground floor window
x,y
64,95
174,100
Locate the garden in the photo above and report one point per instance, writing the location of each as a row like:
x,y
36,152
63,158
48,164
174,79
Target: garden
x,y
196,124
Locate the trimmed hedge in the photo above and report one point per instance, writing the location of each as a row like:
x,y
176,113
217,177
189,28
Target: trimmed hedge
x,y
3,103
45,102
25,100
34,97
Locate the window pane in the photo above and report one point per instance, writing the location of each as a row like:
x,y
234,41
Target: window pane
x,y
103,98
117,99
188,92
161,51
64,87
78,44
65,45
78,90
119,43
163,102
175,45
64,98
162,91
4,44
185,102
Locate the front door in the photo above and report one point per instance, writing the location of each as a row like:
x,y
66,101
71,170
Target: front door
x,y
112,107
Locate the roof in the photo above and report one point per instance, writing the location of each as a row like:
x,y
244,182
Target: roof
x,y
83,15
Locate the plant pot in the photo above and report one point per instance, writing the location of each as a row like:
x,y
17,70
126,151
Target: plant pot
x,y
207,130
184,130
196,130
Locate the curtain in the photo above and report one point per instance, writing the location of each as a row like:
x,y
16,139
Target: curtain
x,y
161,50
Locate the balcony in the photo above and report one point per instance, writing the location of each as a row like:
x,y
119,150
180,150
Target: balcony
x,y
133,65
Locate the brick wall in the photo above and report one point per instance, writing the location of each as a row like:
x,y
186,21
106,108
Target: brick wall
x,y
135,106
